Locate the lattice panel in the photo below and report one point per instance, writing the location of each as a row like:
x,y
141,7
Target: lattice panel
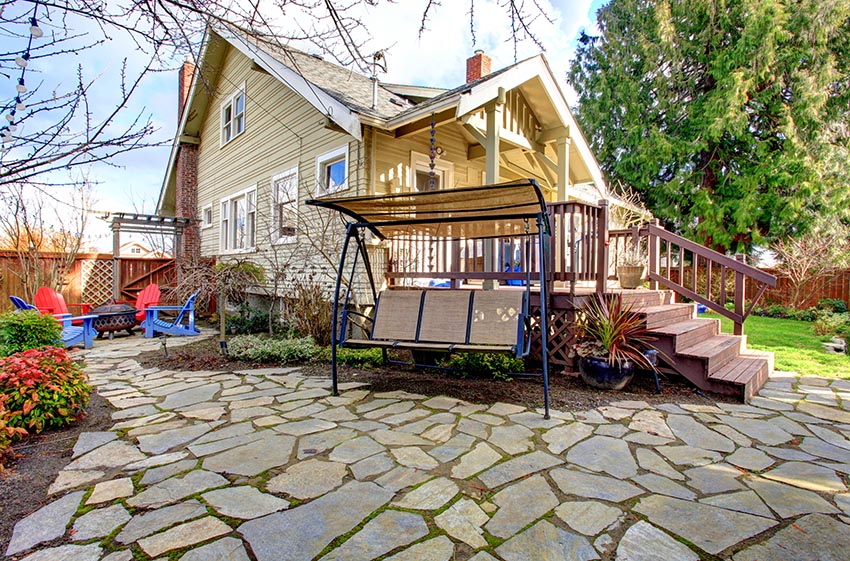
x,y
561,336
96,281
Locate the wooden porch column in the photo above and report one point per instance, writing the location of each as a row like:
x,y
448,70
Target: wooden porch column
x,y
740,293
116,264
491,149
602,249
563,146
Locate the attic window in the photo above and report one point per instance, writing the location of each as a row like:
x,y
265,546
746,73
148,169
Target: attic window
x,y
233,116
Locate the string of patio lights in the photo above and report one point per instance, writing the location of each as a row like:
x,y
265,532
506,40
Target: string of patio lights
x,y
22,61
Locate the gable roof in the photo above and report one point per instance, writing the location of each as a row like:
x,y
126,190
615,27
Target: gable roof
x,y
345,96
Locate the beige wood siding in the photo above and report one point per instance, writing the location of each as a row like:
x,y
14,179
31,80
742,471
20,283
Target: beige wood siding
x,y
392,159
282,131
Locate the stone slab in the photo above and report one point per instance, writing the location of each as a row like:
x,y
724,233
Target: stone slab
x,y
389,530
588,517
710,528
563,437
253,458
225,549
107,491
301,533
604,454
184,535
811,537
645,542
807,476
147,523
519,505
308,479
89,552
546,542
47,523
463,521
517,467
573,482
177,488
437,549
429,496
243,502
100,522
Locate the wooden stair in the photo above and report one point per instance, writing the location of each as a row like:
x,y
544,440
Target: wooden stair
x,y
697,350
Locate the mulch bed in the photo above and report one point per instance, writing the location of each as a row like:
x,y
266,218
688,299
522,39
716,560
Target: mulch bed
x,y
36,461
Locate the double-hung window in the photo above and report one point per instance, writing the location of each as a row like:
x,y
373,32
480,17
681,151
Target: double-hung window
x,y
233,116
285,205
239,221
332,171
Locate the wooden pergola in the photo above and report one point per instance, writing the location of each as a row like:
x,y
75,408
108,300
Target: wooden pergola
x,y
135,223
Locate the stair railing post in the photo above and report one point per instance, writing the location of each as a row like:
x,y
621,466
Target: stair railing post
x,y
602,248
740,291
654,249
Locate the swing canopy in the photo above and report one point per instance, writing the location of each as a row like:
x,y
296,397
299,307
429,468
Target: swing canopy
x,y
492,211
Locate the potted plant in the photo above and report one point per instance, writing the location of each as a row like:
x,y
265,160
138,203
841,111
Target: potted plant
x,y
631,267
612,338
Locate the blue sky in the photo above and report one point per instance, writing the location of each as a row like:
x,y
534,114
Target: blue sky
x,y
437,58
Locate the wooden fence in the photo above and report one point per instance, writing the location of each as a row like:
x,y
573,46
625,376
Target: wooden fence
x,y
837,287
89,278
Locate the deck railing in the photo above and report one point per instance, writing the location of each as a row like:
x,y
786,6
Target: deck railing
x,y
703,275
575,256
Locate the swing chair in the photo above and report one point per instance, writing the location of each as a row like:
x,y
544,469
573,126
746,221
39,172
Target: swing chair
x,y
445,320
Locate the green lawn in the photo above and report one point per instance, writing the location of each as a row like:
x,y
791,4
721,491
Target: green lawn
x,y
794,344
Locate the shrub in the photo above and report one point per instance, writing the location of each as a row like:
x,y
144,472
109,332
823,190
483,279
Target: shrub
x,y
265,349
44,389
7,433
493,365
27,329
249,320
785,312
356,358
834,305
828,323
308,311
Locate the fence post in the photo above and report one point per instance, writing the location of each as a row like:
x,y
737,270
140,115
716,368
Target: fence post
x,y
740,291
654,249
602,248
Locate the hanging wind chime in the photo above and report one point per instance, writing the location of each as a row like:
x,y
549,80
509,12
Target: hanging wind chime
x,y
22,61
432,181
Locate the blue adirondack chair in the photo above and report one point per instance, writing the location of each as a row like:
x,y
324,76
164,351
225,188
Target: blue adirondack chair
x,y
153,325
71,334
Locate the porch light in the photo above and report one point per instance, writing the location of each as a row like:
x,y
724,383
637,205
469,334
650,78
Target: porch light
x,y
21,87
22,60
35,30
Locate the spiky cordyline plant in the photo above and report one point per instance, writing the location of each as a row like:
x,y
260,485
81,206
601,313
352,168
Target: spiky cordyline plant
x,y
608,326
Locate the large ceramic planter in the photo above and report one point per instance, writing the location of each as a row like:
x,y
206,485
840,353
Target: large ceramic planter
x,y
630,276
597,373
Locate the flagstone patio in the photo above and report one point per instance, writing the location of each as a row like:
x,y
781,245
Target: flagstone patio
x,y
267,465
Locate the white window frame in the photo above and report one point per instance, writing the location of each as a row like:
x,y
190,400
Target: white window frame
x,y
443,169
322,163
231,123
275,198
227,221
206,216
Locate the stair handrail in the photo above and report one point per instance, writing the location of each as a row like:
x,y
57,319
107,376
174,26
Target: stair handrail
x,y
656,233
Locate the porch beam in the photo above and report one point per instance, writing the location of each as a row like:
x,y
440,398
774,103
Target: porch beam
x,y
494,114
550,135
440,118
475,133
543,163
477,151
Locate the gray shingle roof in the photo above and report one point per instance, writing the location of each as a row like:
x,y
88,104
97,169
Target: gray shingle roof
x,y
346,86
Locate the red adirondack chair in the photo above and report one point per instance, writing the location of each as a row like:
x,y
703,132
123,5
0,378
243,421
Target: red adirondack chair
x,y
48,301
149,296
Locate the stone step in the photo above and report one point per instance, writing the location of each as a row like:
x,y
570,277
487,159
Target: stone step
x,y
715,351
659,316
689,332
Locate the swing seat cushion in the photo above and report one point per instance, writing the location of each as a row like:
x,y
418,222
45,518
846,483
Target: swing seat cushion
x,y
448,321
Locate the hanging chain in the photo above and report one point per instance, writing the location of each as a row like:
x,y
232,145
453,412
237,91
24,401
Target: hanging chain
x,y
432,155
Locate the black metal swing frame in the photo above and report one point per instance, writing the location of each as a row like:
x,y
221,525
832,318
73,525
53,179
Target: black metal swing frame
x,y
486,212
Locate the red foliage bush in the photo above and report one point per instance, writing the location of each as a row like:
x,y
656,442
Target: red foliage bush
x,y
43,389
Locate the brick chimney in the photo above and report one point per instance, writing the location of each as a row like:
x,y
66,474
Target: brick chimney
x,y
477,65
184,82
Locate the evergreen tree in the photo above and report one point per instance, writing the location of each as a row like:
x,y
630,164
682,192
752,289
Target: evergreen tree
x,y
730,117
